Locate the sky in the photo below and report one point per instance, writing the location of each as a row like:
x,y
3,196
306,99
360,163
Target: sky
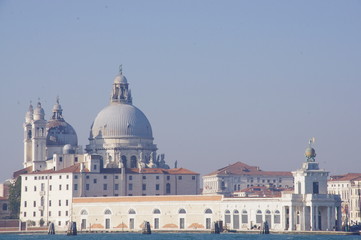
x,y
220,81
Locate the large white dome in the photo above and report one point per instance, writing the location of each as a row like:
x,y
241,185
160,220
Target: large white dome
x,y
121,120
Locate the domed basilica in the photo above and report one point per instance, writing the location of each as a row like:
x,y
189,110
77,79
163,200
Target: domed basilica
x,y
120,136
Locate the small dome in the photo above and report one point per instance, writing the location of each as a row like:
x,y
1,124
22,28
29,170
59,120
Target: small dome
x,y
310,152
68,149
121,120
120,79
60,133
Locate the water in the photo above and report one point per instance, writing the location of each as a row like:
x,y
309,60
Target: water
x,y
176,236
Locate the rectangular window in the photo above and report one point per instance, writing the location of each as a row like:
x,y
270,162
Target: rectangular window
x,y
179,177
130,186
315,188
107,223
157,187
193,177
75,176
87,177
66,213
34,214
50,187
66,202
116,186
244,218
144,177
130,177
60,159
131,223
25,204
34,188
156,223
75,187
76,159
277,219
208,223
59,203
60,187
35,178
67,187
41,213
59,213
168,177
49,213
24,214
49,203
144,187
105,177
34,203
87,186
59,223
181,223
116,177
42,186
95,167
94,180
26,188
157,177
59,176
105,186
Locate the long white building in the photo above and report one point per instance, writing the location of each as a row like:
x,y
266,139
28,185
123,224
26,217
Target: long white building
x,y
307,208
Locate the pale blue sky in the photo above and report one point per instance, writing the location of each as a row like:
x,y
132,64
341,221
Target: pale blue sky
x,y
220,81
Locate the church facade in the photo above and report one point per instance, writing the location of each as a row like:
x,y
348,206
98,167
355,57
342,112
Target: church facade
x,y
120,160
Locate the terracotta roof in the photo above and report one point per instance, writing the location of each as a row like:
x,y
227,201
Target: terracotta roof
x,y
173,171
240,168
163,198
345,177
21,171
76,169
72,169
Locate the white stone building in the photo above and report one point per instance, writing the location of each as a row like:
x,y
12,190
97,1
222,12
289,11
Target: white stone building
x,y
307,208
120,160
238,176
348,186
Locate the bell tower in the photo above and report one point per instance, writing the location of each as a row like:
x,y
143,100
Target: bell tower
x,y
28,135
310,179
39,138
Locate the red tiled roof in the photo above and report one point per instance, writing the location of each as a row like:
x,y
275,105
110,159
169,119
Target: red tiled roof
x,y
345,177
240,168
173,171
72,169
263,191
21,171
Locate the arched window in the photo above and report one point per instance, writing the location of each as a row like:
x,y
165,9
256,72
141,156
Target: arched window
x,y
277,217
227,217
5,207
133,162
124,160
268,218
107,212
84,212
182,211
259,216
244,216
156,211
131,211
208,211
235,219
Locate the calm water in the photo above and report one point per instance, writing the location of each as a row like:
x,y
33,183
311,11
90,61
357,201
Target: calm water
x,y
177,236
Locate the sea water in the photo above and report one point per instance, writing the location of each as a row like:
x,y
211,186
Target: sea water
x,y
177,236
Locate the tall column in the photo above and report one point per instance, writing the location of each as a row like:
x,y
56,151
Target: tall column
x,y
316,214
328,218
291,218
312,212
303,226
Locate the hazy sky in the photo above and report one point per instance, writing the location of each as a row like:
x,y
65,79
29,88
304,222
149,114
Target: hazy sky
x,y
220,81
